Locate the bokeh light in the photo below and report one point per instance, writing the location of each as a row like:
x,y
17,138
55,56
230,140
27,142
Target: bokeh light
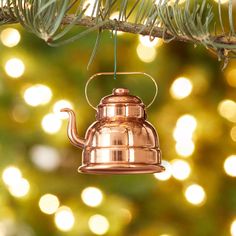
x,y
10,37
98,224
15,67
37,95
222,1
181,170
49,203
11,175
233,228
20,188
59,105
181,88
165,175
146,54
187,121
195,194
230,166
147,42
45,157
64,219
51,124
91,8
92,196
185,148
233,133
231,77
227,109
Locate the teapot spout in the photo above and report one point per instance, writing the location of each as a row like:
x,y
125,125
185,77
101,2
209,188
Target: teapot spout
x,y
72,130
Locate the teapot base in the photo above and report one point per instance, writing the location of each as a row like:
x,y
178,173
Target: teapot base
x,y
120,169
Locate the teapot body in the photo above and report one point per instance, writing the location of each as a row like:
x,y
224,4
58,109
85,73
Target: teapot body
x,y
121,146
121,141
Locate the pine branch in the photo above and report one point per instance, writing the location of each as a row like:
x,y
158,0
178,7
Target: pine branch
x,y
141,29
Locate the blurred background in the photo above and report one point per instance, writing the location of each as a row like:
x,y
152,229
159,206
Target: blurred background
x,y
42,193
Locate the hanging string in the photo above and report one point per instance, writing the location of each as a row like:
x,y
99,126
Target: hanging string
x,y
115,53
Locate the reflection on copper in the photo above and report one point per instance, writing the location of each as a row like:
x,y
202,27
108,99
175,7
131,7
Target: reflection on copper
x,y
121,141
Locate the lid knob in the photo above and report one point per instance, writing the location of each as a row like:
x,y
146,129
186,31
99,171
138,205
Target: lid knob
x,y
121,91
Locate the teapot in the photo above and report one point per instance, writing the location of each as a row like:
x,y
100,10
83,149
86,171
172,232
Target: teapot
x,y
121,140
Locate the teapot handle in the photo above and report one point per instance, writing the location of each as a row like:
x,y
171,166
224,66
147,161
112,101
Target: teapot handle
x,y
120,73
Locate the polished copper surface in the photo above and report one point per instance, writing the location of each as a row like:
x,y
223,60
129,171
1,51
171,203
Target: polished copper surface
x,y
121,141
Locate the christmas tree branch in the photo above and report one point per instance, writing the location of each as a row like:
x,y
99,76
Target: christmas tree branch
x,y
141,29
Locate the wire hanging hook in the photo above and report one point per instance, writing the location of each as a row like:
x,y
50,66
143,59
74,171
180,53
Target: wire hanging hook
x,y
119,73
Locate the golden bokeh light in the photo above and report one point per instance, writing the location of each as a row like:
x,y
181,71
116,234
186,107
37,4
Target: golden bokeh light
x,y
20,188
230,166
187,121
146,54
233,228
64,219
92,196
233,133
59,105
49,204
98,224
222,1
90,7
15,67
231,77
185,148
181,88
147,42
181,169
37,95
165,175
51,124
11,175
195,194
227,109
10,37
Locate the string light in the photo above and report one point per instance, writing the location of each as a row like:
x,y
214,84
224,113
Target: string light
x,y
10,37
230,166
49,204
98,224
181,88
20,188
11,175
165,175
227,109
59,105
146,54
92,196
51,124
15,67
37,95
64,219
181,170
233,133
195,194
233,228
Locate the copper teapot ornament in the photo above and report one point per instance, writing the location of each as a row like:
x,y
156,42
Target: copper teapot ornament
x,y
121,140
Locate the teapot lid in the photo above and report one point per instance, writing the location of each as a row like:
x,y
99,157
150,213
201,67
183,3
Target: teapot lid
x,y
121,103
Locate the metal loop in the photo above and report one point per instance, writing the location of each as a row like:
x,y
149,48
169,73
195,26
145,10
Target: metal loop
x,y
119,73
